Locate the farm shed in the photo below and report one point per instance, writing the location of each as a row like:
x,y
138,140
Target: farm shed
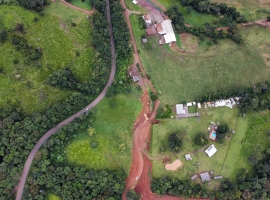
x,y
217,177
180,109
188,157
205,176
193,177
211,150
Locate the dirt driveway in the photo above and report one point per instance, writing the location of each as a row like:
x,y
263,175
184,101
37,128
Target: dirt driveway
x,y
154,12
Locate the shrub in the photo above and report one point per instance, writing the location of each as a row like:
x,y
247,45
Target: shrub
x,y
93,144
175,142
201,139
3,36
153,96
35,19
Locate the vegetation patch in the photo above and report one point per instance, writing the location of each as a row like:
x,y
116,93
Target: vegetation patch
x,y
84,4
54,36
112,135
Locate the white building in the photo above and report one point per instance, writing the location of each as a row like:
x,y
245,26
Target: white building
x,y
180,109
167,31
211,150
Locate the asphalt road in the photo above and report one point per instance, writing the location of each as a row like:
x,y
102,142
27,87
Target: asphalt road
x,y
30,158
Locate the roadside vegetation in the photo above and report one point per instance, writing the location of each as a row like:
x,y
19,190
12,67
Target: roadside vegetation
x,y
107,142
84,4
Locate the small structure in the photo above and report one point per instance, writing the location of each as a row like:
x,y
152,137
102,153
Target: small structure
x,y
194,177
151,31
194,103
205,176
180,109
134,74
188,157
134,2
218,177
189,104
147,20
210,151
144,40
199,105
211,172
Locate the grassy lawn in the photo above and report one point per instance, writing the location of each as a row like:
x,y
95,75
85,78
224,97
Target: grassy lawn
x,y
184,77
222,164
59,42
113,127
252,9
53,197
86,4
133,7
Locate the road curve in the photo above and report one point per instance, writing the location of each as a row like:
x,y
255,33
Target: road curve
x,y
30,158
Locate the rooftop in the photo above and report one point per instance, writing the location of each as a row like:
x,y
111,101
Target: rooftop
x,y
205,176
180,109
211,150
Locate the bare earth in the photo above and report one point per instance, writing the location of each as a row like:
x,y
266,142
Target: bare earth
x,y
174,166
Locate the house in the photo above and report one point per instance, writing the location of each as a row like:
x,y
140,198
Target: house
x,y
210,151
205,176
180,109
134,74
151,31
188,157
144,40
147,20
165,28
193,177
189,104
217,177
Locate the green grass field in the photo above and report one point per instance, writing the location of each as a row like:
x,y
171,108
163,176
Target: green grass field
x,y
113,127
184,77
133,7
59,42
53,197
221,164
79,3
252,9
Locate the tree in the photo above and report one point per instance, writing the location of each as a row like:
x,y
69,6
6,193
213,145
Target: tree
x,y
175,142
201,139
3,35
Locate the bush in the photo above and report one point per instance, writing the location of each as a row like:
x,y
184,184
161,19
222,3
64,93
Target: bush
x,y
201,139
153,96
175,142
93,144
35,19
3,36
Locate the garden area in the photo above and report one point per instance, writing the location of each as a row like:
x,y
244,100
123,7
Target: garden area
x,y
61,34
212,68
224,162
236,153
108,143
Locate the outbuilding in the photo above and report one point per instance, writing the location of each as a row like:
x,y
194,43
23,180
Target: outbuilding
x,y
210,151
205,176
188,157
180,109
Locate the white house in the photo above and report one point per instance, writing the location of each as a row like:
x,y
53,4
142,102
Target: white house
x,y
211,150
166,30
180,109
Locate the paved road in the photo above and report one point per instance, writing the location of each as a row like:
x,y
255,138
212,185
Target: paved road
x,y
30,158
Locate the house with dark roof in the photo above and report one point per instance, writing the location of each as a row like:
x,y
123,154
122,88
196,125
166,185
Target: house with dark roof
x,y
134,74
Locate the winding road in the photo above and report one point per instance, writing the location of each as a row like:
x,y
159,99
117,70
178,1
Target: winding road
x,y
30,158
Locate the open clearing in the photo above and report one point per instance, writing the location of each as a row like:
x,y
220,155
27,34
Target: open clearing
x,y
190,127
185,77
59,41
113,127
86,4
53,197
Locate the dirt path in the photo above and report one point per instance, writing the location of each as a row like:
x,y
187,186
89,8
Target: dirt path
x,y
135,50
88,12
30,158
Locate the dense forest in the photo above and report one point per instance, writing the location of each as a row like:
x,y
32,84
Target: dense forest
x,y
37,5
19,133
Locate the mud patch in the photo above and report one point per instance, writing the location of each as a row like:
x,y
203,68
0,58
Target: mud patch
x,y
189,42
